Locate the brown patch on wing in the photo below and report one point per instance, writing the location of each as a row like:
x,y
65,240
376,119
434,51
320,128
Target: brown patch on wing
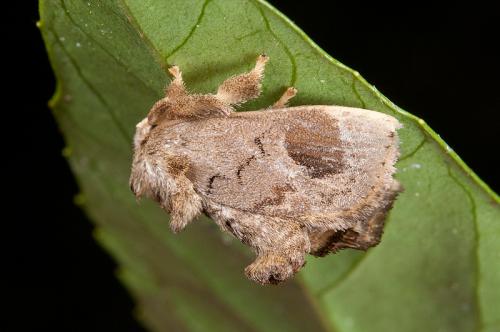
x,y
315,144
279,193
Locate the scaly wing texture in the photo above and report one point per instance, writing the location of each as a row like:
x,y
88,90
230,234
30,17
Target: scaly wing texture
x,y
324,164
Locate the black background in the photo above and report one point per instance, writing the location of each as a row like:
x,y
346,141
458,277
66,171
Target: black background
x,y
440,64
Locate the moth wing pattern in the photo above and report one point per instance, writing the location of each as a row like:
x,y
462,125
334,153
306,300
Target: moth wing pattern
x,y
286,181
321,165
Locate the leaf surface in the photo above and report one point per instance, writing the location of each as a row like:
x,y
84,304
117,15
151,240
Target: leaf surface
x,y
437,267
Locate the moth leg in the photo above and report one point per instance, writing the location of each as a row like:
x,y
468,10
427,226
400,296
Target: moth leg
x,y
280,254
176,88
183,203
238,89
287,95
184,206
181,104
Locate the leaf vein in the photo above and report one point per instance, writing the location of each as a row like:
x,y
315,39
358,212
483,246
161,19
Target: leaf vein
x,y
114,118
336,283
105,50
293,63
315,302
356,92
417,148
191,32
250,34
154,52
477,272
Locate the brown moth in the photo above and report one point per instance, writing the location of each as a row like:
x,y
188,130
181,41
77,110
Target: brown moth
x,y
286,181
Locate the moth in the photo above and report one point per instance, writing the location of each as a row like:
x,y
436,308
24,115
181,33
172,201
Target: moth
x,y
286,181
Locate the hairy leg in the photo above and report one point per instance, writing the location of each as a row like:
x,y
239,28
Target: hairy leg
x,y
287,95
238,89
176,88
280,258
184,206
179,104
183,203
280,244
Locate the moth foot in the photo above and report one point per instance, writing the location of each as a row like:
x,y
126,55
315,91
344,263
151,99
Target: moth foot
x,y
273,269
175,71
287,95
261,60
177,224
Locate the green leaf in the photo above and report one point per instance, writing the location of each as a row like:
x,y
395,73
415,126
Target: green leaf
x,y
437,268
